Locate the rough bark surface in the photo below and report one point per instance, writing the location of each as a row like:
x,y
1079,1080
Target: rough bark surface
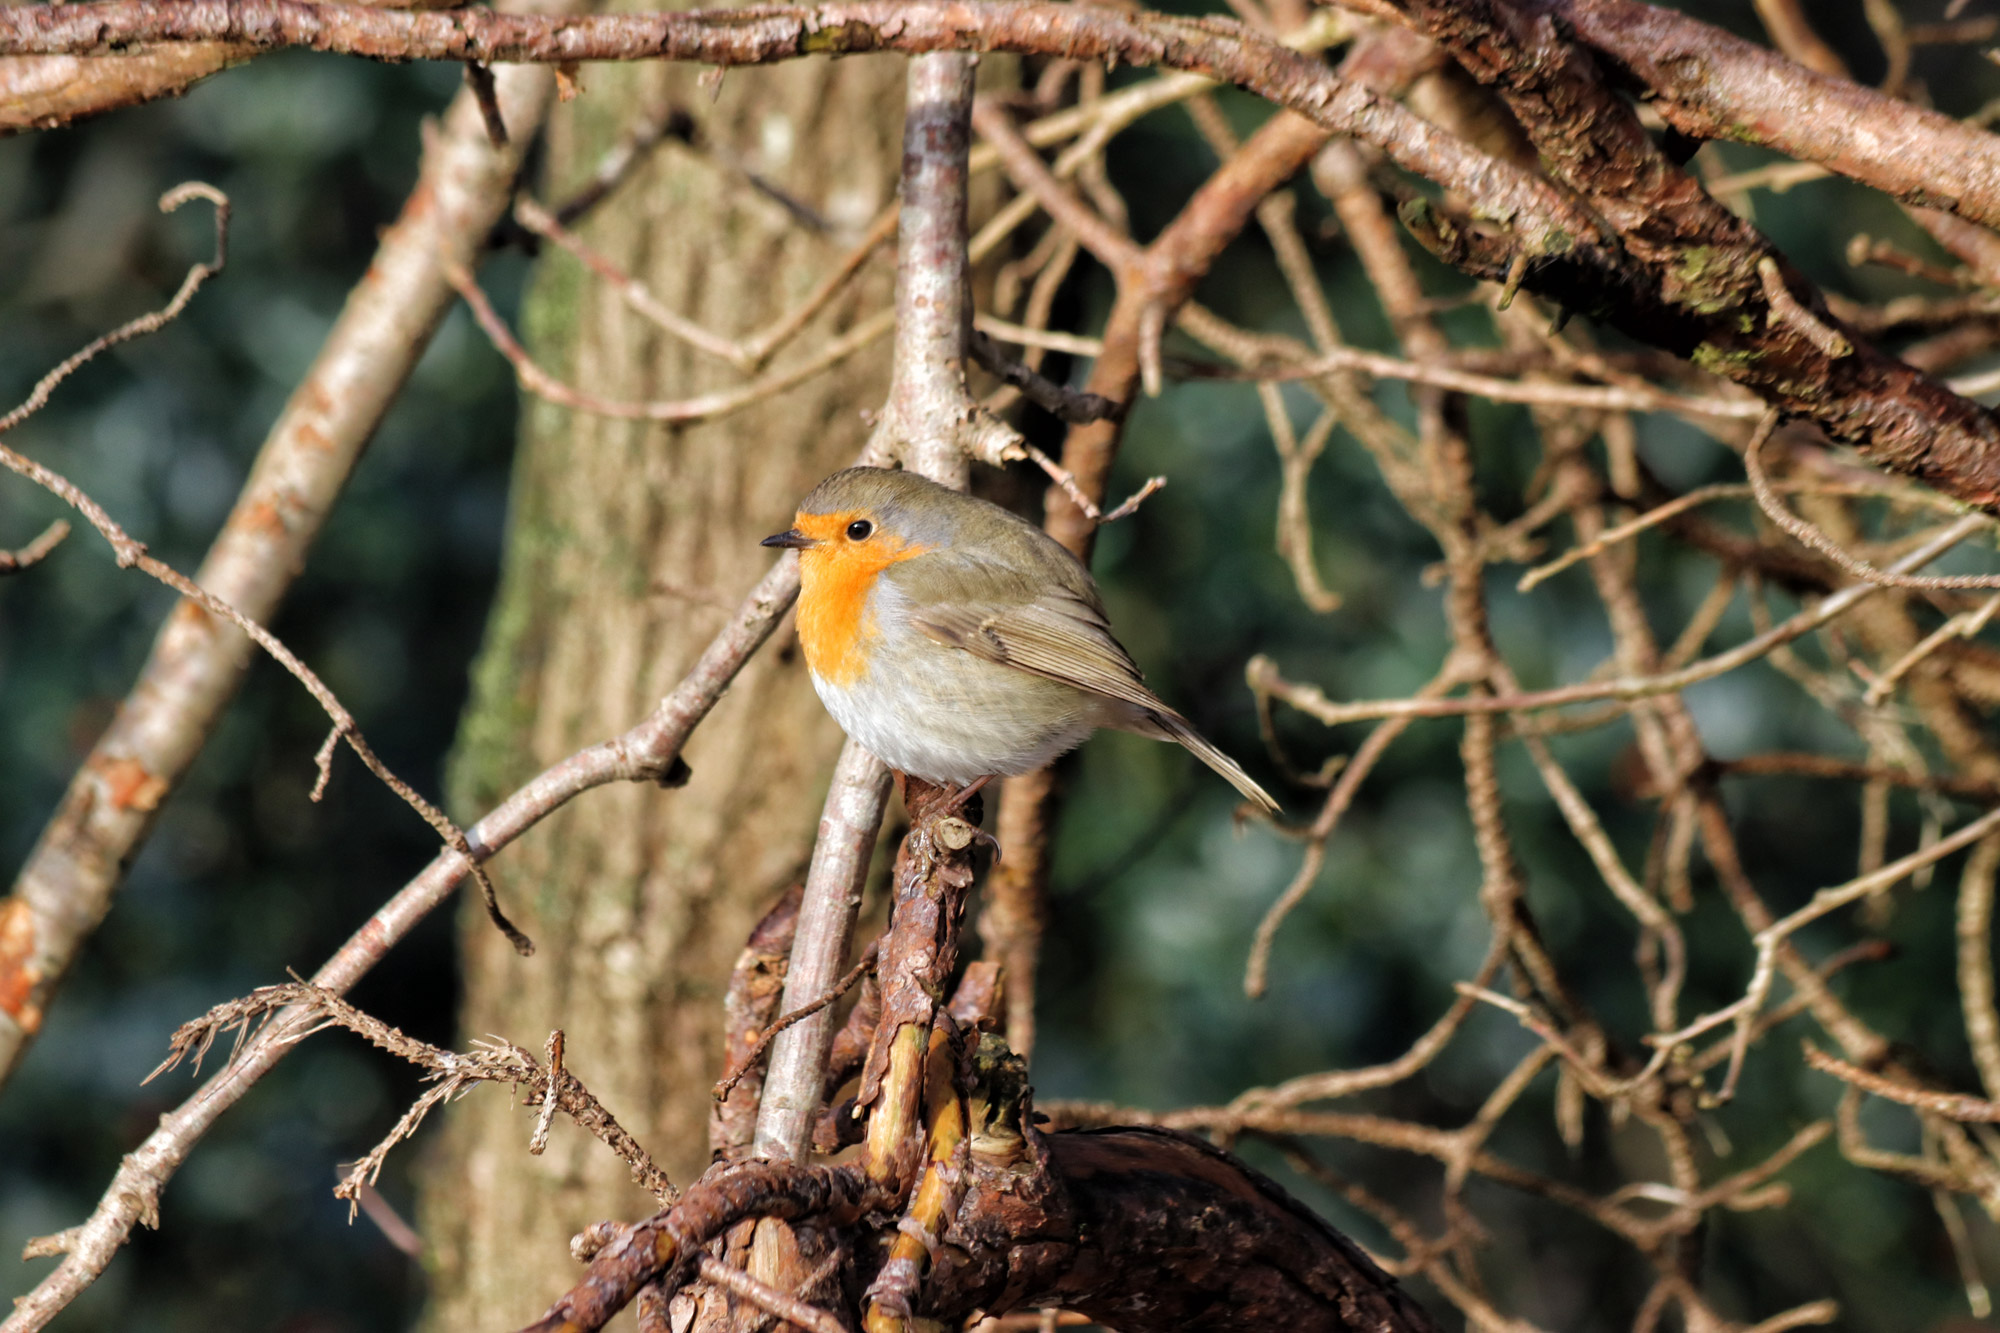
x,y
626,542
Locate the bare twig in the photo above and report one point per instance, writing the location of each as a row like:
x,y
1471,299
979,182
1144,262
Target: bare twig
x,y
1965,625
1950,1105
1774,936
768,1298
144,324
750,353
298,1010
1975,961
707,407
1694,499
1262,672
132,554
1073,489
1775,510
1059,400
13,562
480,80
1786,307
1256,972
804,1011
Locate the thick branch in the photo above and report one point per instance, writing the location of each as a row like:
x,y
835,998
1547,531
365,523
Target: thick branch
x,y
1714,312
67,883
931,422
1697,279
1713,85
1217,48
42,92
672,1240
847,828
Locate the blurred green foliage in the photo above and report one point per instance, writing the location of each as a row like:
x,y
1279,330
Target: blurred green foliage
x,y
1155,895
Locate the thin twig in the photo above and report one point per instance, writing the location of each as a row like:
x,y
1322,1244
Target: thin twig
x,y
132,554
1058,399
143,324
1974,921
1064,478
623,158
807,1010
1262,672
1965,625
290,1013
1811,535
1951,1105
1769,939
707,407
768,1298
1256,971
1786,308
1697,497
13,562
479,78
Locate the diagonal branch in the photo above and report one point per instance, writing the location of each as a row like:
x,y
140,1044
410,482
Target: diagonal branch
x,y
645,753
1711,84
1695,279
67,883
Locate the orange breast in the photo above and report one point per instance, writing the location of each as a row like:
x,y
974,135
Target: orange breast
x,y
835,579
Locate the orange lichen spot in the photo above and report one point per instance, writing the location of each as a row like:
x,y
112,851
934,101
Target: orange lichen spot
x,y
314,397
129,785
835,577
18,974
263,516
191,618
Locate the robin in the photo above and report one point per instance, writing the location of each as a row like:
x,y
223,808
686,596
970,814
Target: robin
x,y
958,641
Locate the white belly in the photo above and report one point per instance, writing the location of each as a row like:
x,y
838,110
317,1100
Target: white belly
x,y
945,716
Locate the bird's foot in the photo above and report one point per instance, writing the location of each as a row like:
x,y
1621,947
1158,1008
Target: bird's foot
x,y
967,798
963,795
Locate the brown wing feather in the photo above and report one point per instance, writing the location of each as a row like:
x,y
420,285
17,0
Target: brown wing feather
x,y
1064,638
1054,636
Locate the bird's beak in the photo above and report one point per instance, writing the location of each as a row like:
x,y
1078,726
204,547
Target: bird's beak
x,y
792,539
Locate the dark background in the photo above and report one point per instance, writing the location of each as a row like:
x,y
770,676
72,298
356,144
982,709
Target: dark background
x,y
1155,897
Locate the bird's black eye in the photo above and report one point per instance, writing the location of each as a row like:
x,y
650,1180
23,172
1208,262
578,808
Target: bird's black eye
x,y
860,530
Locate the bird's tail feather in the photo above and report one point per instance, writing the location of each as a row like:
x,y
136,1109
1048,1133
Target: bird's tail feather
x,y
1163,724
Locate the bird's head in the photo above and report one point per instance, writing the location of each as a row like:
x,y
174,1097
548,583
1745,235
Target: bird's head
x,y
854,525
860,521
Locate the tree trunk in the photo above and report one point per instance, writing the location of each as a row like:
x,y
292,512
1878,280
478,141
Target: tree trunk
x,y
627,542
